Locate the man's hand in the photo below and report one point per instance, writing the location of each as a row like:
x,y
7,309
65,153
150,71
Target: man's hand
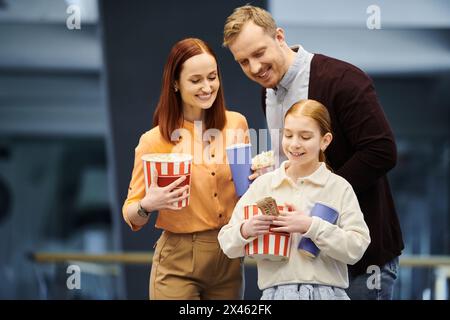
x,y
259,172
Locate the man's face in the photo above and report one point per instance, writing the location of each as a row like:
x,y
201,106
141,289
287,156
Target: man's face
x,y
260,55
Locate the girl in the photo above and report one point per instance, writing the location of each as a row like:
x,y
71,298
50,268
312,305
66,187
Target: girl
x,y
188,262
299,183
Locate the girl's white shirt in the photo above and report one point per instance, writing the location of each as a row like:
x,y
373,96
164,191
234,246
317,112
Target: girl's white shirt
x,y
340,244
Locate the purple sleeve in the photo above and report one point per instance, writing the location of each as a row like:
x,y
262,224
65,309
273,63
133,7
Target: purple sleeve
x,y
366,129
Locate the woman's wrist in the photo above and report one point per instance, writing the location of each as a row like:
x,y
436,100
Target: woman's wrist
x,y
147,204
143,210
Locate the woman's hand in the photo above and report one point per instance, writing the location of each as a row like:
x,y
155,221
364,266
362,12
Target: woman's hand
x,y
292,221
256,226
164,198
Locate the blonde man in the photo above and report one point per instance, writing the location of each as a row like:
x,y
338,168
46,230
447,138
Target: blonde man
x,y
364,148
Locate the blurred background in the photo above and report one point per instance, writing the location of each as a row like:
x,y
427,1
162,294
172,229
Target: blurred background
x,y
79,81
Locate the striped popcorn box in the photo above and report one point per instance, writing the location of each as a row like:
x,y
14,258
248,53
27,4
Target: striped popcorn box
x,y
170,166
274,245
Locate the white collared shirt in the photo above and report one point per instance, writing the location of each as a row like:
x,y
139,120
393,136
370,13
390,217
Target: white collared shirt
x,y
340,244
292,88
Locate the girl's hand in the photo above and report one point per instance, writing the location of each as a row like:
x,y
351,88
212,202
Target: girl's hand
x,y
256,226
164,198
291,221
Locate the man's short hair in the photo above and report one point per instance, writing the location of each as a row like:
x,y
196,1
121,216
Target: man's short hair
x,y
240,16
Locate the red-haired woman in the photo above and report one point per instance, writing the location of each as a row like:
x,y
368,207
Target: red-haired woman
x,y
191,117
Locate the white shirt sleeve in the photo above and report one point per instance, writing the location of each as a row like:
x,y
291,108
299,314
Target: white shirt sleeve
x,y
348,240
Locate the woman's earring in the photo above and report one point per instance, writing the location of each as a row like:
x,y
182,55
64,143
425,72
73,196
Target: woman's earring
x,y
175,88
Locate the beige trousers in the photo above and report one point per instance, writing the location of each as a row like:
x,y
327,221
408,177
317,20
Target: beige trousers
x,y
192,266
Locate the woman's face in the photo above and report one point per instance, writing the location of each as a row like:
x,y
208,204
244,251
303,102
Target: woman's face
x,y
199,82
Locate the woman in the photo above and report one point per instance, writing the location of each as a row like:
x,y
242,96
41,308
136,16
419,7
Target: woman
x,y
188,262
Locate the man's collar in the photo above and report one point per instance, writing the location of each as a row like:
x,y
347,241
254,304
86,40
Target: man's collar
x,y
292,72
294,68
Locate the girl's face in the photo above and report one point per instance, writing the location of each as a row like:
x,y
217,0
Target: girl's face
x,y
199,82
302,140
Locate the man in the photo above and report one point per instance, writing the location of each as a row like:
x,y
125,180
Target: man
x,y
363,148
